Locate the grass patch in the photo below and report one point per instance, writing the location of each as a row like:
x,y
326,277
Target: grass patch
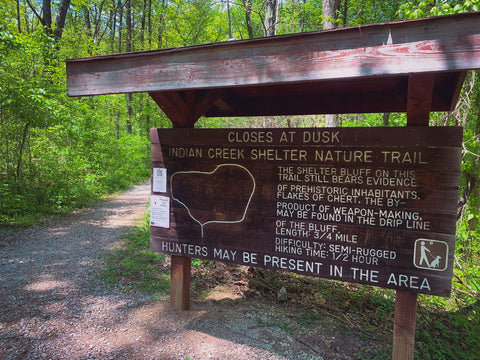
x,y
282,325
134,267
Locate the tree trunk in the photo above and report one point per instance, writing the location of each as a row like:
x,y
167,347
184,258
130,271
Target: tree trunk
x,y
386,117
128,121
143,24
128,26
345,13
229,21
329,12
47,16
161,26
248,17
128,48
113,25
120,25
270,29
88,22
19,25
271,14
149,24
117,125
60,19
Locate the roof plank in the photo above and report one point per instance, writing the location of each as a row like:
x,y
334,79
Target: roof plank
x,y
449,43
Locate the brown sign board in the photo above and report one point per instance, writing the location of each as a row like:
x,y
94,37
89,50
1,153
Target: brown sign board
x,y
374,206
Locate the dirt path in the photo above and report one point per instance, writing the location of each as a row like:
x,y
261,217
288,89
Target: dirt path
x,y
53,307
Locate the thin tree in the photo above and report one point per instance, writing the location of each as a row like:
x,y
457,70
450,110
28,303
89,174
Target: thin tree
x,y
329,11
128,48
270,29
247,5
19,25
271,17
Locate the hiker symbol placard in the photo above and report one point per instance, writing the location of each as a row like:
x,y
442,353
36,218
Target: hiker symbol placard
x,y
430,254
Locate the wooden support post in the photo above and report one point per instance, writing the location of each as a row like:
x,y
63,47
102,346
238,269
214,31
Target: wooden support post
x,y
404,326
419,101
180,276
182,115
419,104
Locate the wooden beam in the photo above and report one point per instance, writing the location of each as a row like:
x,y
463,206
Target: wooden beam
x,y
309,103
180,277
439,44
171,104
419,101
190,118
181,267
404,325
205,103
453,99
184,108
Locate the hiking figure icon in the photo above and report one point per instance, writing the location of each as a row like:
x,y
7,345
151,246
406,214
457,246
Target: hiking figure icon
x,y
423,252
430,254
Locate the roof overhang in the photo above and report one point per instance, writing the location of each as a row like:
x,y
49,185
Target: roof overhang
x,y
349,70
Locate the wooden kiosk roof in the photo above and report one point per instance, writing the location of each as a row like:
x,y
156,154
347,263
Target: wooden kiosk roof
x,y
389,67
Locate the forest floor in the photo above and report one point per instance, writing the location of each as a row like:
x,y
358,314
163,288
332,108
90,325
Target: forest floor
x,y
53,304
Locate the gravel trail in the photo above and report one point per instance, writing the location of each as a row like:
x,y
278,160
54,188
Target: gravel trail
x,y
53,307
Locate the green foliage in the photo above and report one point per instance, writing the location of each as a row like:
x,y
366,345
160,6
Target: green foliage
x,y
448,335
195,22
59,153
369,11
300,16
418,9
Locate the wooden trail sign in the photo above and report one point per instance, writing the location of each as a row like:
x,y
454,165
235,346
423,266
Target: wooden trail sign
x,y
373,206
404,227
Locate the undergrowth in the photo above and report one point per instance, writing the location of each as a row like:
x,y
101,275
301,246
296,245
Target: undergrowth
x,y
442,332
134,268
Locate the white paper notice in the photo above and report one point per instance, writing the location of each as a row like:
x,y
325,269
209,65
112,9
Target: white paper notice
x,y
160,211
159,180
